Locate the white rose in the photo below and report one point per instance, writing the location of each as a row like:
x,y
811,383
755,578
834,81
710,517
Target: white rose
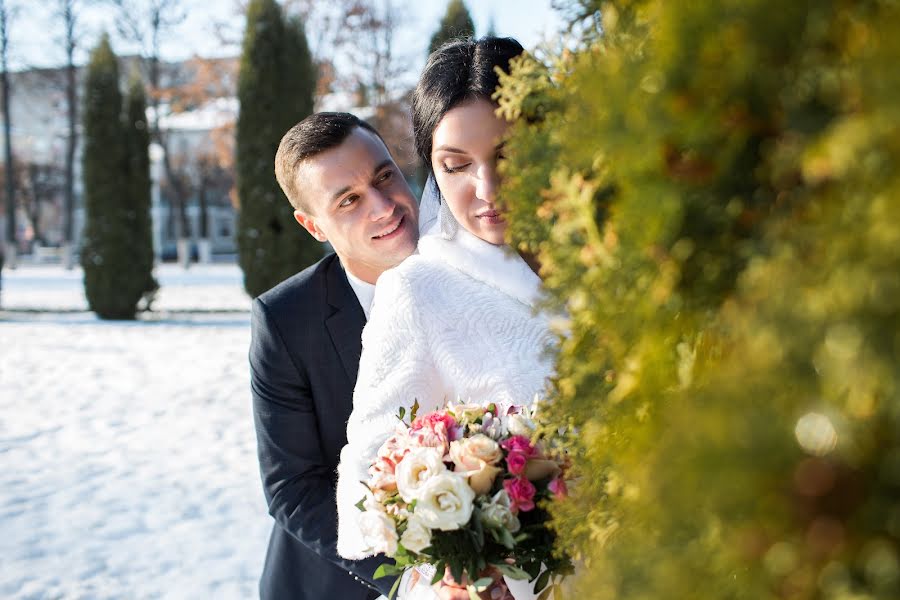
x,y
445,502
497,513
378,531
520,424
479,447
418,467
474,457
467,413
417,537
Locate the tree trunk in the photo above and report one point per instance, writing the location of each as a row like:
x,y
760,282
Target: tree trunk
x,y
34,206
71,143
204,250
7,142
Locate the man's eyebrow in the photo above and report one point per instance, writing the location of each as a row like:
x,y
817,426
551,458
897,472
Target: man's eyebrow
x,y
340,193
379,167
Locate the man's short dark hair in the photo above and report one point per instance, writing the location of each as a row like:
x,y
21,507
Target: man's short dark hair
x,y
313,135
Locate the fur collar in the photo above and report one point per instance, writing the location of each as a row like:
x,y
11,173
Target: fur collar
x,y
497,266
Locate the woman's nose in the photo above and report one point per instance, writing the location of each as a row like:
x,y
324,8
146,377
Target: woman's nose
x,y
487,183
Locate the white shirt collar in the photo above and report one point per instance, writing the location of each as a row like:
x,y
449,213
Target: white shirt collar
x,y
365,292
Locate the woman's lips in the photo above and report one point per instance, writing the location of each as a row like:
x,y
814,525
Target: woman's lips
x,y
491,217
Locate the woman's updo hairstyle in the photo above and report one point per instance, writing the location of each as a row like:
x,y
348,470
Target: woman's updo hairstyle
x,y
459,71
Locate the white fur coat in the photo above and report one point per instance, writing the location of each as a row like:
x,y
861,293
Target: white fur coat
x,y
454,322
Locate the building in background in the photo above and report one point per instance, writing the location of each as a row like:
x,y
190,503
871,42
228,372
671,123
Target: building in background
x,y
197,111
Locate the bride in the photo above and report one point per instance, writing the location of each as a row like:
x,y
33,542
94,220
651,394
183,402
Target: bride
x,y
457,320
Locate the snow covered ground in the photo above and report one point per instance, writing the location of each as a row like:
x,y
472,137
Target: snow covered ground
x,y
51,287
127,451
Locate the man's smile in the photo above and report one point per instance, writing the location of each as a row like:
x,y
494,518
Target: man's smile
x,y
391,230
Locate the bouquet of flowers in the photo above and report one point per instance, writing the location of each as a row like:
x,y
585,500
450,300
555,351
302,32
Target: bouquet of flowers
x,y
462,489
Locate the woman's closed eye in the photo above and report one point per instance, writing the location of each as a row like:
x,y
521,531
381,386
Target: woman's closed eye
x,y
454,168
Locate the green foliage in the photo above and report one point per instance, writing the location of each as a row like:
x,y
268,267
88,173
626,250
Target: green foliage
x,y
711,188
275,88
138,140
115,240
456,23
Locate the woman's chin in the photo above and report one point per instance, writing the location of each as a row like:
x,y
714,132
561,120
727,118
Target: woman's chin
x,y
492,233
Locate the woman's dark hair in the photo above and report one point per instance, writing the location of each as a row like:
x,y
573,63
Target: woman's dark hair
x,y
459,71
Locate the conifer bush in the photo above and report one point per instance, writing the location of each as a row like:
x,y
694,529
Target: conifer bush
x,y
115,240
275,87
712,190
456,23
138,139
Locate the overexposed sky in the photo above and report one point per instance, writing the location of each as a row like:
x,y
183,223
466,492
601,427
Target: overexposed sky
x,y
36,33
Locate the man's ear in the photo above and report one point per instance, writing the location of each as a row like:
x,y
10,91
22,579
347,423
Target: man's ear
x,y
308,223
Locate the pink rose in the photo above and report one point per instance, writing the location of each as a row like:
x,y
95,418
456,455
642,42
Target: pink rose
x,y
435,430
432,419
394,449
558,487
515,462
519,443
521,494
426,437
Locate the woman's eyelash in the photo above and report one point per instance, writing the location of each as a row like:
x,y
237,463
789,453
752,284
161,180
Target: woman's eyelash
x,y
454,169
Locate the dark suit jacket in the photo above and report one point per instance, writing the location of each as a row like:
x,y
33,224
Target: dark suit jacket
x,y
304,357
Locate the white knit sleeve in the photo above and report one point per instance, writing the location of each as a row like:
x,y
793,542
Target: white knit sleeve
x,y
396,368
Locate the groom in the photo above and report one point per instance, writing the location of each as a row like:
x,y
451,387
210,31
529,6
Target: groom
x,y
345,189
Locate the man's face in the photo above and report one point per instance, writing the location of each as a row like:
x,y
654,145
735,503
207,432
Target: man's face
x,y
359,202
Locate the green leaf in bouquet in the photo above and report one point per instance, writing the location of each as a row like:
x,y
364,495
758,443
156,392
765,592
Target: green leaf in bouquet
x,y
438,571
394,588
477,530
386,570
360,504
473,595
533,568
401,413
456,570
512,571
506,538
482,584
542,581
414,411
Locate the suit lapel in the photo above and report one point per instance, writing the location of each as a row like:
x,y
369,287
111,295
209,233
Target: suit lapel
x,y
346,322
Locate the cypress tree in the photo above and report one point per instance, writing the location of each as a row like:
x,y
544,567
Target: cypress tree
x,y
138,140
711,188
112,282
275,88
456,22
